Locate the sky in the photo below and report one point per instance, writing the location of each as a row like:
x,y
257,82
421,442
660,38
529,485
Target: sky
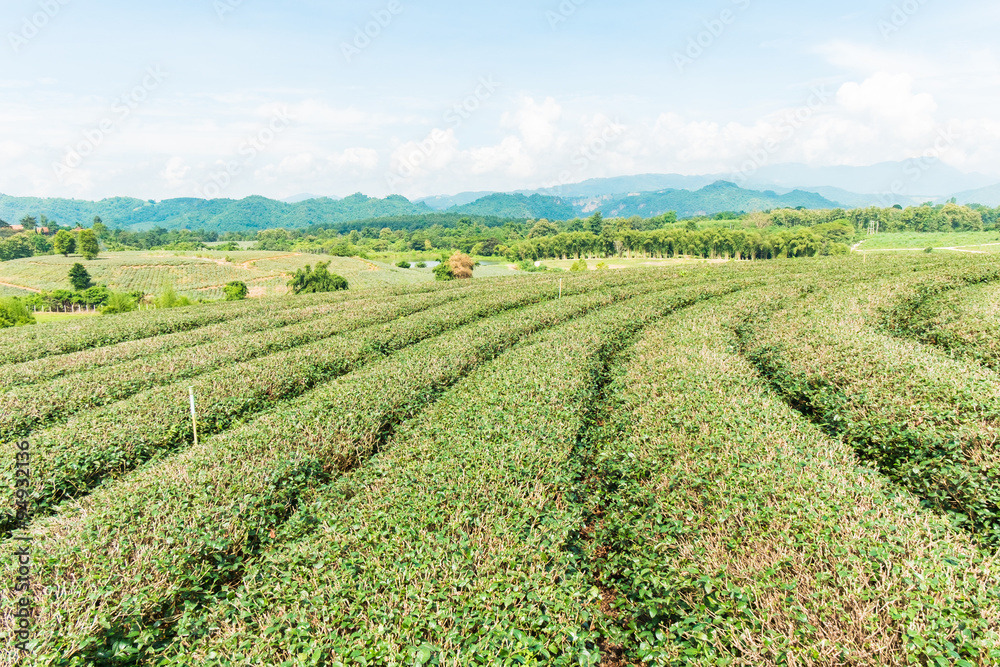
x,y
229,98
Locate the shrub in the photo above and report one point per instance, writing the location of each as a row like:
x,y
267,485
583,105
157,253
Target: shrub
x,y
309,281
169,299
403,264
443,271
579,265
421,265
461,265
13,313
119,302
602,266
236,291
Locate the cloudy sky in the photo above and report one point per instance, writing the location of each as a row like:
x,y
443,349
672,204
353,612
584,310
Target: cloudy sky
x,y
278,97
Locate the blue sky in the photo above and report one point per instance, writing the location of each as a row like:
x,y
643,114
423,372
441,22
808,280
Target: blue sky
x,y
229,98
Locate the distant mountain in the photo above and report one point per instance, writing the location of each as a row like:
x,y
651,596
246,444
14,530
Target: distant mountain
x,y
711,199
305,196
444,202
520,206
854,200
599,187
988,196
715,198
222,215
919,178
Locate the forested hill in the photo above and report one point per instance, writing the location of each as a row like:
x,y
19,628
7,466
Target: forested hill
x,y
256,213
220,215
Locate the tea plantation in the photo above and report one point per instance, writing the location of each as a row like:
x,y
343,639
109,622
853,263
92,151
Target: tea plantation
x,y
785,463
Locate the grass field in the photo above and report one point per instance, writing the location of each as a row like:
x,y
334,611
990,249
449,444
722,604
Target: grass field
x,y
768,463
43,318
919,241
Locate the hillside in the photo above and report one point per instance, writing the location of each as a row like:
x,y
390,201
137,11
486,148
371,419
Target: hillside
x,y
221,215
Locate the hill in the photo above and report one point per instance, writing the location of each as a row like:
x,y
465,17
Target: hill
x,y
988,196
222,215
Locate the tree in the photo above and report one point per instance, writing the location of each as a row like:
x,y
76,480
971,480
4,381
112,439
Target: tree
x,y
595,223
543,228
236,291
579,265
64,243
29,222
79,278
89,247
99,227
309,281
16,247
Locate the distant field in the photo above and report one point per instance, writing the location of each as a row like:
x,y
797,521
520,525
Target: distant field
x,y
195,274
917,241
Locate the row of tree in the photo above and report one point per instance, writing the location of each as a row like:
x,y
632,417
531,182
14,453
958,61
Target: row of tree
x,y
826,239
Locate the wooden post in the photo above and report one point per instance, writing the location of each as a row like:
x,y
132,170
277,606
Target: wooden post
x,y
194,417
560,287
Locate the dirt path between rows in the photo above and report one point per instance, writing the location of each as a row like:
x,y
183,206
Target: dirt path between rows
x,y
25,288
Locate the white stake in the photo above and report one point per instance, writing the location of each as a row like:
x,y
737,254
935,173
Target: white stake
x,y
194,418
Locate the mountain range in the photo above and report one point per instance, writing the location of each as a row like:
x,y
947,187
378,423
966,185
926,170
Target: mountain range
x,y
644,195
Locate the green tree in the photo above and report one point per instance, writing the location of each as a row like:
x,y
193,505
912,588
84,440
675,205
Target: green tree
x,y
309,281
29,222
13,313
543,228
595,223
89,247
579,265
16,247
236,291
79,278
99,227
64,243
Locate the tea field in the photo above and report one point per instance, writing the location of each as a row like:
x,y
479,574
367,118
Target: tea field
x,y
777,463
197,275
